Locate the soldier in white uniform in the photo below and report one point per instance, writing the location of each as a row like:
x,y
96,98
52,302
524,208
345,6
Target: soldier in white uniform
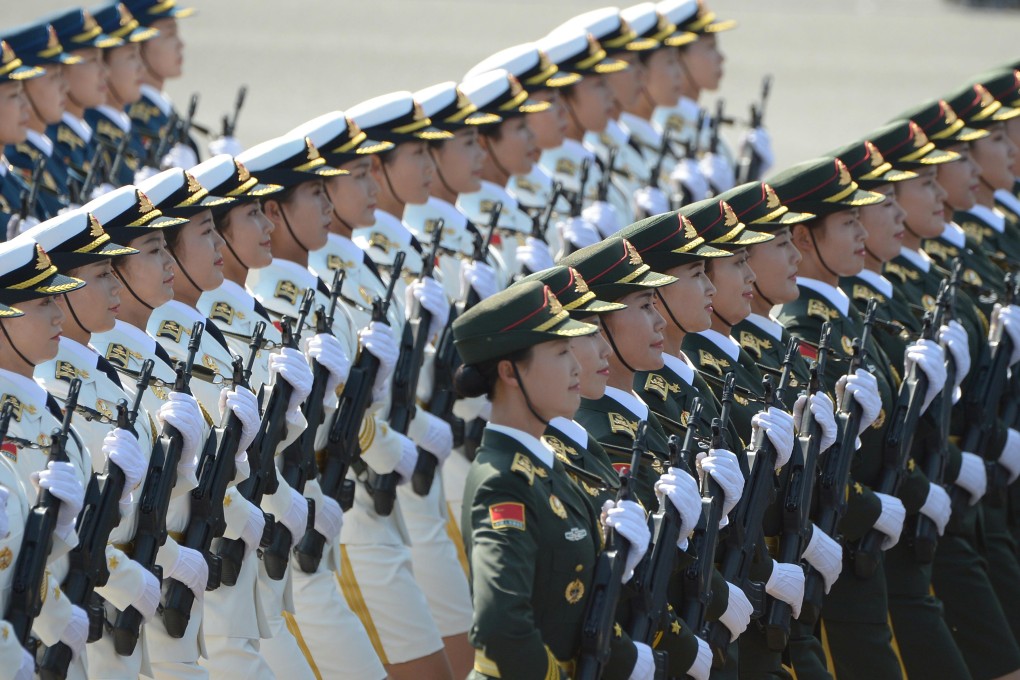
x,y
16,661
77,244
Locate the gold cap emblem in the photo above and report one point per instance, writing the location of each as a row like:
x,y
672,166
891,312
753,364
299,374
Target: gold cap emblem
x,y
52,43
580,285
6,52
920,139
986,97
951,116
125,15
554,305
42,260
844,174
875,155
88,21
635,257
689,231
771,199
95,228
312,152
730,216
242,172
193,186
144,204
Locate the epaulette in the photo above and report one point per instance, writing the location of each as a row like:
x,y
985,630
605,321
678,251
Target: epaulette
x,y
861,292
977,231
523,466
752,343
68,137
941,251
902,273
657,384
816,307
562,451
706,360
620,423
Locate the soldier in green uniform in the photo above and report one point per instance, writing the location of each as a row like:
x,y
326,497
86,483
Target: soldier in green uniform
x,y
12,131
532,537
854,628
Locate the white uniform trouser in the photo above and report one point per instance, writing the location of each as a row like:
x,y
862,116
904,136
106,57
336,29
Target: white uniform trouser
x,y
282,651
455,472
232,645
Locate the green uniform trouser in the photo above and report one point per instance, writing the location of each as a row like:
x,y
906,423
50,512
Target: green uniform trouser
x,y
806,655
1003,568
730,670
926,645
960,579
757,661
855,628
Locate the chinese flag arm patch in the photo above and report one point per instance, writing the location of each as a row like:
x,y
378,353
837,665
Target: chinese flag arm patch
x,y
507,516
622,468
808,351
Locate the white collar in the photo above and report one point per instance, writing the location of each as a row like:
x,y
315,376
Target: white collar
x,y
1009,200
955,235
773,328
572,429
640,129
80,127
724,342
161,100
41,142
680,367
174,308
877,281
538,448
629,401
236,291
80,355
119,118
830,293
138,336
292,269
918,258
32,391
993,217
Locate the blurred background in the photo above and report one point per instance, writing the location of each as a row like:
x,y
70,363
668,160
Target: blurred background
x,y
840,67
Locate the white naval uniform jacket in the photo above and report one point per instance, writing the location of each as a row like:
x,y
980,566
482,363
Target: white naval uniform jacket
x,y
10,546
630,170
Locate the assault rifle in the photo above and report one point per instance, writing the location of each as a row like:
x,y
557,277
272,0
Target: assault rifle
x,y
749,168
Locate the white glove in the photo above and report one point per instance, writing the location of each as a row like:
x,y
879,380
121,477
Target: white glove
x,y
786,583
408,458
725,470
16,225
864,388
5,522
628,519
578,231
179,156
479,276
718,170
688,176
106,187
822,410
243,404
1010,456
937,506
141,175
738,612
778,426
61,480
293,368
890,521
604,216
148,599
329,519
27,669
254,527
296,516
651,201
325,349
644,667
121,448
702,665
181,411
191,570
760,140
534,255
228,145
824,554
931,359
431,433
429,293
973,476
1009,319
954,336
76,632
379,341
682,491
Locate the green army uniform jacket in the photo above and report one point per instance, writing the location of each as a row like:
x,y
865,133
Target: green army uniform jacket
x,y
979,272
766,341
992,229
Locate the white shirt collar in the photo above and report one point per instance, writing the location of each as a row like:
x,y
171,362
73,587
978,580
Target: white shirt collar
x,y
235,291
34,392
877,281
724,342
137,335
537,447
1006,197
629,401
41,142
680,367
918,258
119,118
293,270
572,429
830,293
80,354
955,235
773,328
991,216
640,129
175,308
80,127
161,100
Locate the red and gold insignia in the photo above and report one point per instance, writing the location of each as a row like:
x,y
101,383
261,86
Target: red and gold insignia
x,y
507,516
557,506
575,591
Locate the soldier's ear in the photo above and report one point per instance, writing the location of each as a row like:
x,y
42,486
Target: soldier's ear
x,y
801,236
271,208
505,373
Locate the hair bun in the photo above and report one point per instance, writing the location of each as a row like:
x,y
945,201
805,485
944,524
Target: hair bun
x,y
470,382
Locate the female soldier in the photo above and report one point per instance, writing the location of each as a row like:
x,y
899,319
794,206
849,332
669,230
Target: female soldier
x,y
30,280
123,82
77,244
129,217
530,533
46,96
13,130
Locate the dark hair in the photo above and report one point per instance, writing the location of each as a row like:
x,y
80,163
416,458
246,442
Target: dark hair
x,y
282,197
476,380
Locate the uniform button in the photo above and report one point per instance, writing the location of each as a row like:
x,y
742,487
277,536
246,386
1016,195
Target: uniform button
x,y
579,568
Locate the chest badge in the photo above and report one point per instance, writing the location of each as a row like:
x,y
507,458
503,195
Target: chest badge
x,y
575,534
575,591
557,506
